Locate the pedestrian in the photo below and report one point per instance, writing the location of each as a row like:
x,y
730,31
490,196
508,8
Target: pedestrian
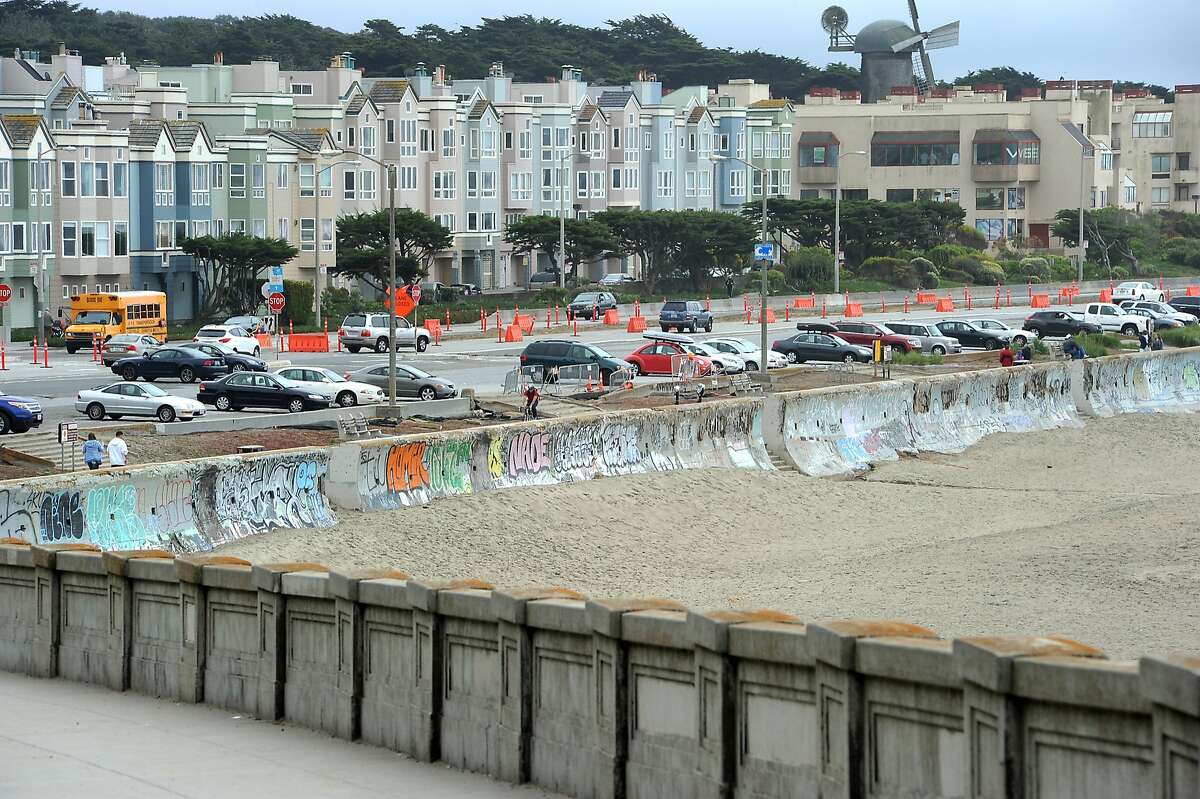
x,y
1073,350
118,450
93,452
729,286
1143,340
1006,355
1157,344
1025,355
532,397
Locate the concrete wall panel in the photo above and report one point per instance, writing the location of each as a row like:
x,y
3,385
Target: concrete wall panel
x,y
1156,382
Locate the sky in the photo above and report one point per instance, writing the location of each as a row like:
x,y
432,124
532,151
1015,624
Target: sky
x,y
1151,41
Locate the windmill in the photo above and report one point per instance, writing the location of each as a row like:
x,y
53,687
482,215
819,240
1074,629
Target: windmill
x,y
893,54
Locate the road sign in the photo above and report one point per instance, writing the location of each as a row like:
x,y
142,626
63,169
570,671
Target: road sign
x,y
274,280
5,293
265,290
276,302
68,432
764,252
415,293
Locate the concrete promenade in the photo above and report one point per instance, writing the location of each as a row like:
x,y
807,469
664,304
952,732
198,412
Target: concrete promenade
x,y
59,738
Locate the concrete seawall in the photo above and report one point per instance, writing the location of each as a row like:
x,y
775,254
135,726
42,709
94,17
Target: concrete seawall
x,y
1165,381
603,698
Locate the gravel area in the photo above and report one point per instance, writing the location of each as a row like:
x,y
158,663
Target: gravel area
x,y
1087,532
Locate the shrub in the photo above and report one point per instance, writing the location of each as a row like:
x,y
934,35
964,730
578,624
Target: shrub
x,y
776,281
881,268
1185,252
979,271
1120,273
929,281
968,236
299,308
1061,268
809,266
1182,336
553,296
915,359
1040,348
337,303
1098,344
923,266
905,276
1035,267
943,254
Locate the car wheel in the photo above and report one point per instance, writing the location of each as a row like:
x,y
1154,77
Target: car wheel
x,y
428,394
848,358
237,367
296,405
5,424
1129,330
166,414
72,350
634,371
95,411
692,327
665,328
256,352
751,366
938,349
381,345
222,403
792,358
129,374
1141,298
187,375
991,344
353,350
1036,331
708,326
1020,341
422,344
347,399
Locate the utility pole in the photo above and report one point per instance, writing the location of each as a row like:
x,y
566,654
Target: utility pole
x,y
391,173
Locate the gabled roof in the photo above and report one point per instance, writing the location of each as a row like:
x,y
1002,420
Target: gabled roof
x,y
144,132
388,91
184,132
310,139
588,112
20,128
480,108
33,72
356,103
66,95
614,98
771,104
698,113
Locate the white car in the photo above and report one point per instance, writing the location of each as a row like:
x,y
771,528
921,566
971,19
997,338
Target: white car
x,y
617,279
1138,291
725,362
748,353
232,336
1015,335
1162,309
346,393
136,399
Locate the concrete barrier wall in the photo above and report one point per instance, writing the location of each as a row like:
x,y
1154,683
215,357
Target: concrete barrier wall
x,y
1164,381
844,429
602,698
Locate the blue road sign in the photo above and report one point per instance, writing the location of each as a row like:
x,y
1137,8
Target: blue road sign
x,y
764,252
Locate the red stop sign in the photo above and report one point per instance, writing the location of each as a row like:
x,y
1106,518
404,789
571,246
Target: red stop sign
x,y
276,302
5,293
415,293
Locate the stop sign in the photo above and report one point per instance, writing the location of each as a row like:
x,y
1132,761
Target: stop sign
x,y
415,293
276,302
5,293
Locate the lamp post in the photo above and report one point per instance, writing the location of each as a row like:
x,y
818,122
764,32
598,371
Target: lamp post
x,y
1086,151
317,231
837,220
564,185
392,176
40,282
762,311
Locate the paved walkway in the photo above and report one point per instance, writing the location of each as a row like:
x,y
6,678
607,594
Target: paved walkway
x,y
59,738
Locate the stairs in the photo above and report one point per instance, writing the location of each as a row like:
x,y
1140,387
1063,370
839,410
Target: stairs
x,y
782,463
44,445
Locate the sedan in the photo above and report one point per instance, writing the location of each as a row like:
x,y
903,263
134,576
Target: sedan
x,y
234,360
127,345
1161,321
726,363
661,357
617,279
233,335
821,347
1138,290
748,352
466,289
131,399
346,393
1162,309
255,390
970,335
1016,335
411,382
183,363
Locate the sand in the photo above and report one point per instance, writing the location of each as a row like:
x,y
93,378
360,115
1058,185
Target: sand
x,y
1087,532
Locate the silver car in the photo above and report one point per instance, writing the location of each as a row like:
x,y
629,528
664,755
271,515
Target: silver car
x,y
370,331
411,382
932,339
136,399
127,345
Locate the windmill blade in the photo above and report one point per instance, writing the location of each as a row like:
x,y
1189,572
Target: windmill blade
x,y
944,36
904,44
912,12
927,65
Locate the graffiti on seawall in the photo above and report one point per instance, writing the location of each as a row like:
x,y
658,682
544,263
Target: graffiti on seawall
x,y
254,496
414,472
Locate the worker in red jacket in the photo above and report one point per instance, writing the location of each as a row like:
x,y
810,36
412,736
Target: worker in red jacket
x,y
1006,356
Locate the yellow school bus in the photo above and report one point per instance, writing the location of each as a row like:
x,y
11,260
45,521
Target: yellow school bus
x,y
107,314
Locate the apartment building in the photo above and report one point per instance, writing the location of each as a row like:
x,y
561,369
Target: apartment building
x,y
27,209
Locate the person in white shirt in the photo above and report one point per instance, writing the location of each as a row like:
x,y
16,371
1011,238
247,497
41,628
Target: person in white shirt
x,y
118,450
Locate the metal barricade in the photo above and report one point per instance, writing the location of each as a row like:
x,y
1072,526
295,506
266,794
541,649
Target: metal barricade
x,y
684,367
519,379
620,377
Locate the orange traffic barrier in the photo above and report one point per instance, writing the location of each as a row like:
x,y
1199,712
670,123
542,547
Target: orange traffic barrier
x,y
3,358
499,328
1192,291
926,297
708,303
524,321
482,321
770,316
448,326
787,313
308,342
823,311
997,297
882,304
1105,295
1008,292
612,317
854,309
637,324
804,302
1039,301
513,333
434,326
264,340
906,303
944,304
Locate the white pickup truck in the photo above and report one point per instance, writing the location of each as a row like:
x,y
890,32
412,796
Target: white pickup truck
x,y
1112,318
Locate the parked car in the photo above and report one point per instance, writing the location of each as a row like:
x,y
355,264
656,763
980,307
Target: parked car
x,y
436,292
971,335
865,333
343,391
251,324
617,279
750,353
556,353
679,314
1159,320
256,390
1057,323
817,346
19,414
134,399
591,305
657,357
1185,304
234,360
932,340
370,331
1138,290
1112,318
183,363
411,382
725,363
1016,335
542,280
236,337
466,289
1163,309
127,345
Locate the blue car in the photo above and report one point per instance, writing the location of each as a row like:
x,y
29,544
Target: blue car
x,y
19,414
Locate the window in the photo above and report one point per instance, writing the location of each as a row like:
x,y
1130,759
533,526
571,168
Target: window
x,y
70,240
349,136
258,178
348,184
1182,192
489,143
524,144
281,176
1130,194
772,144
201,227
237,180
785,144
45,240
282,229
487,184
668,145
258,228
164,184
5,183
1183,161
366,140
689,183
990,228
616,138
938,195
472,184
5,237
181,230
327,235
899,195
307,180
39,181
93,239
532,99
691,142
483,221
443,185
1016,198
756,144
1106,160
66,172
325,182
705,180
200,191
1152,125
632,177
581,184
18,237
666,183
218,176
854,194
101,179
816,155
445,220
737,183
448,142
520,185
302,89
408,137
366,185
120,179
1160,165
407,176
162,235
1160,195
389,131
308,235
616,179
916,154
991,199
237,225
512,219
741,144
597,184
87,179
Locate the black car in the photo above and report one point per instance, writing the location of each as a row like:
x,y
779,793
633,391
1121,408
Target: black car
x,y
466,289
1186,304
969,335
234,360
254,390
591,305
818,346
1057,323
555,353
185,363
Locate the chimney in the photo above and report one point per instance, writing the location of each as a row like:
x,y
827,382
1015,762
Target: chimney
x,y
497,70
62,48
439,75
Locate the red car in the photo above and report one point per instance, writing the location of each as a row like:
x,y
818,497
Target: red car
x,y
656,358
865,333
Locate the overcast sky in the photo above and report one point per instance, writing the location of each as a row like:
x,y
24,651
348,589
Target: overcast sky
x,y
1150,41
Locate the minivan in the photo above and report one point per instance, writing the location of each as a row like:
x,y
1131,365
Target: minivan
x,y
553,353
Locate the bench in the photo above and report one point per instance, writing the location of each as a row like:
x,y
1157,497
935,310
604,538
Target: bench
x,y
355,427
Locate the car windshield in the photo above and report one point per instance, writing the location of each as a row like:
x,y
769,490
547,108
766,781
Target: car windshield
x,y
153,391
587,297
418,372
333,376
740,344
124,338
839,340
675,306
210,332
93,318
600,352
702,349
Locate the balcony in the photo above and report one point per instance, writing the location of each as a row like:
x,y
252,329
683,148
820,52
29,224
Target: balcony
x,y
1187,176
1005,173
817,174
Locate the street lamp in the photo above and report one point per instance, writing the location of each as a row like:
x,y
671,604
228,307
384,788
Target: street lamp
x,y
837,220
1086,150
40,282
762,310
317,232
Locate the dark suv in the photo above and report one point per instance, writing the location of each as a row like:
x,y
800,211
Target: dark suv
x,y
679,314
554,353
591,305
1057,323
